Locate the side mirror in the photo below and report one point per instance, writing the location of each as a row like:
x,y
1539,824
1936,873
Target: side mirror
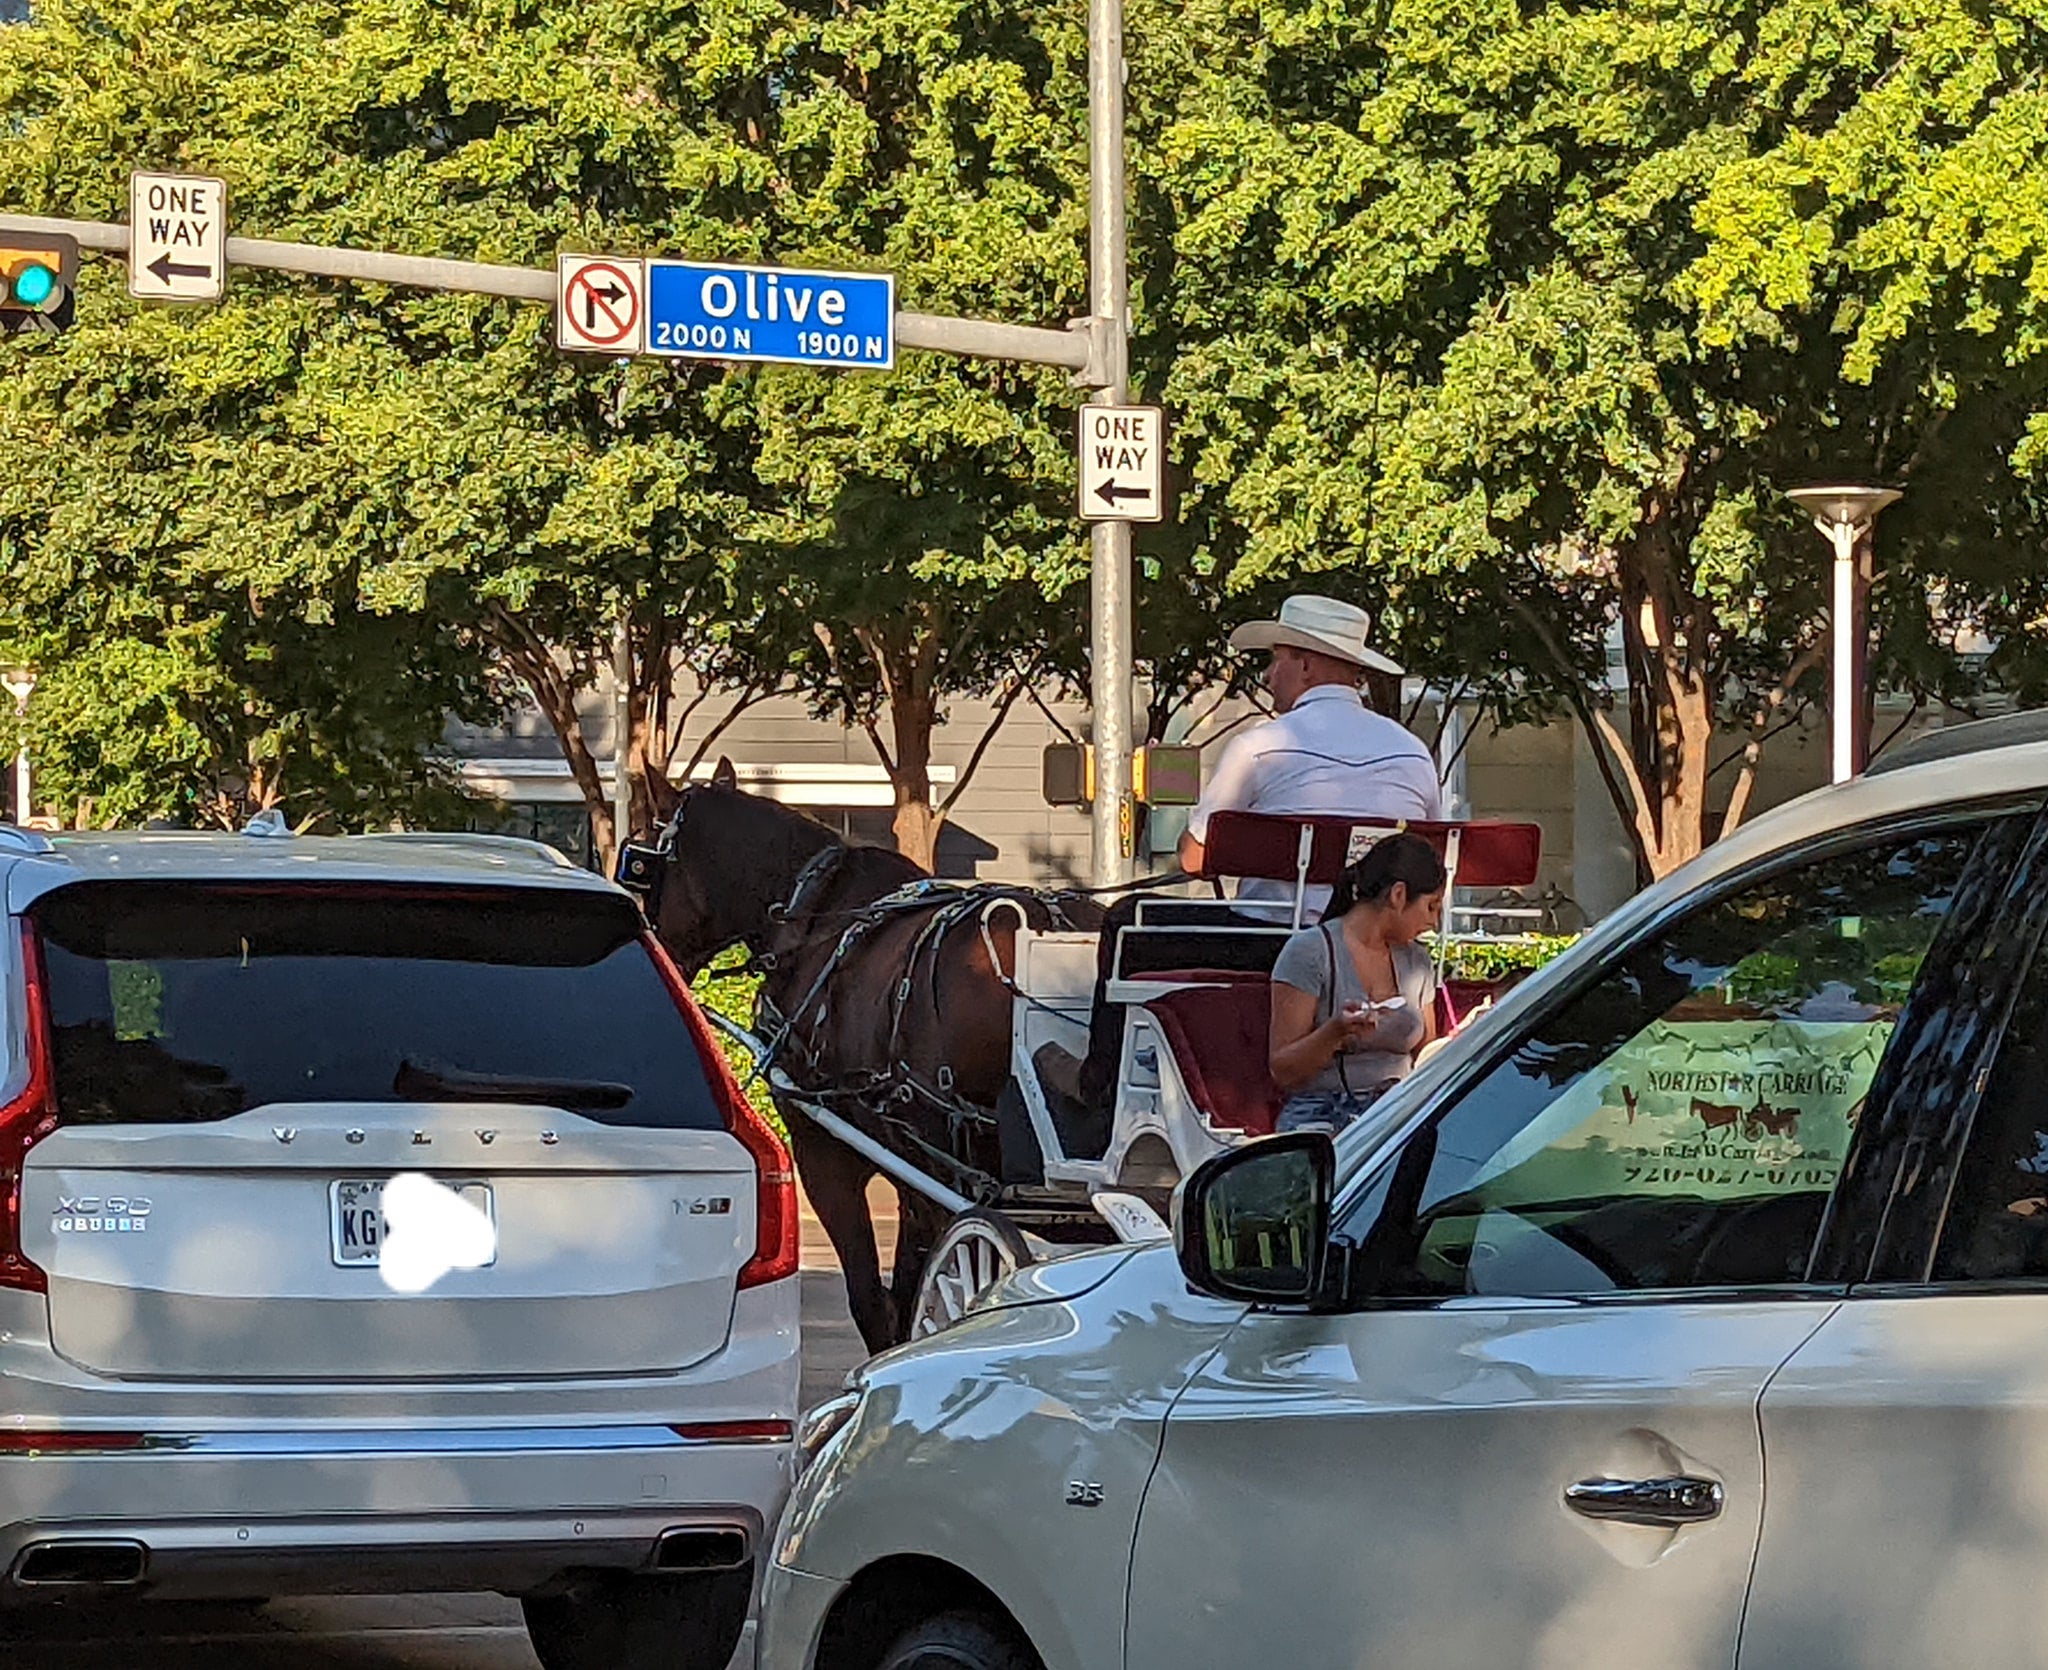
x,y
1254,1224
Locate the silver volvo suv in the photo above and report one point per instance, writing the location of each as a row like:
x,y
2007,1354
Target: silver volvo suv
x,y
217,1054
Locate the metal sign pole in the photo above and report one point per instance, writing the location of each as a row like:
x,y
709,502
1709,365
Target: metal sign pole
x,y
1071,349
622,728
1112,828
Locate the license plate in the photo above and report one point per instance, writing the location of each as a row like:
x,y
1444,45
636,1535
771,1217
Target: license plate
x,y
355,1216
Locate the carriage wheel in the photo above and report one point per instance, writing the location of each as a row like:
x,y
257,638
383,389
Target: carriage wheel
x,y
974,1252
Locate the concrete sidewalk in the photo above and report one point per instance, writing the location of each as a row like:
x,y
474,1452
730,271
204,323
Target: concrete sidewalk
x,y
817,1251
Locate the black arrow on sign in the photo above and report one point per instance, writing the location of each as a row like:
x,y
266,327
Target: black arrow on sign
x,y
1109,492
166,269
611,293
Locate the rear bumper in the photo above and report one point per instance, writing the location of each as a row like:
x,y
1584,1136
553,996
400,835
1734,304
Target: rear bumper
x,y
248,1515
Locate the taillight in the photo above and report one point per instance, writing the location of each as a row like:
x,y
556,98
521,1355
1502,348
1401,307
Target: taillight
x,y
737,1432
775,1209
25,1119
23,1441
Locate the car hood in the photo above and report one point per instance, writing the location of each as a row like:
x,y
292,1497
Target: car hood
x,y
1052,1281
1067,1276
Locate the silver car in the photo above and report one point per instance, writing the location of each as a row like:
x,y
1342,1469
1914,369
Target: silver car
x,y
218,1054
1690,1311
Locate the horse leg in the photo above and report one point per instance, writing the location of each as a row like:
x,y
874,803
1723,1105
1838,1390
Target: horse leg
x,y
919,1223
836,1179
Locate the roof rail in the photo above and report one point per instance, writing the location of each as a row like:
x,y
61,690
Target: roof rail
x,y
269,825
2008,730
509,844
16,839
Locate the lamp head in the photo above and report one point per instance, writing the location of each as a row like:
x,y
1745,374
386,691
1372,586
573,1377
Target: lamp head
x,y
1843,504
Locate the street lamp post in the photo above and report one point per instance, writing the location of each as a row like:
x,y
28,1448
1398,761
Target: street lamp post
x,y
1845,514
19,683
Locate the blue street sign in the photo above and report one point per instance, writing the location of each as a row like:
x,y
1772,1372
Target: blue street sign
x,y
712,311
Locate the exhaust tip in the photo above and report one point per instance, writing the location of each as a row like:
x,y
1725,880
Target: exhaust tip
x,y
110,1564
712,1548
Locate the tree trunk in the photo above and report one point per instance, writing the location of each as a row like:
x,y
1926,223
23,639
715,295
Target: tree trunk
x,y
1657,774
554,690
913,717
916,827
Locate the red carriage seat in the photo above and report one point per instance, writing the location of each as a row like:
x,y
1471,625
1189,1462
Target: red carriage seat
x,y
1219,1030
1270,845
1219,1036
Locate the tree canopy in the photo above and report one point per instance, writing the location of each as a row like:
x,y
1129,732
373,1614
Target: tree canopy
x,y
435,457
1534,310
1510,321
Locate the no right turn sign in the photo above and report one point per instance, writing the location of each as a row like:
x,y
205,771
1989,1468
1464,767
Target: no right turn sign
x,y
600,304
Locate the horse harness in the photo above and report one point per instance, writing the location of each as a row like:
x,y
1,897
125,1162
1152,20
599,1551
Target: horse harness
x,y
880,1097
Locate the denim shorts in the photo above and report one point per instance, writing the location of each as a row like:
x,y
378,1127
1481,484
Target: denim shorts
x,y
1329,1110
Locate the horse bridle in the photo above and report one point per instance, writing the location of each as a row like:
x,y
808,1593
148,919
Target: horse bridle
x,y
643,865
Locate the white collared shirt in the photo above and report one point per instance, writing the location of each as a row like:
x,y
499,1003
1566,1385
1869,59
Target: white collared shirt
x,y
1328,756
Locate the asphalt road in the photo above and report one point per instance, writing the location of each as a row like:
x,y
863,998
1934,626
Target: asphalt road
x,y
442,1632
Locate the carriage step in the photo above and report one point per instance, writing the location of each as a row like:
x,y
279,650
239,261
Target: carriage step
x,y
1131,1218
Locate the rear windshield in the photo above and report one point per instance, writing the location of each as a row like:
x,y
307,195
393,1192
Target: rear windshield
x,y
178,1002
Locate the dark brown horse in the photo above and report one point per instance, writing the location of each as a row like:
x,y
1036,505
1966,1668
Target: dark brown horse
x,y
919,1070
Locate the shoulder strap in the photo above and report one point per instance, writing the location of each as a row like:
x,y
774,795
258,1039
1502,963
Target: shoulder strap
x,y
1330,952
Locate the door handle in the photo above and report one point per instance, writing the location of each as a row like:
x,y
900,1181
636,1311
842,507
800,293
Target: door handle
x,y
1681,1500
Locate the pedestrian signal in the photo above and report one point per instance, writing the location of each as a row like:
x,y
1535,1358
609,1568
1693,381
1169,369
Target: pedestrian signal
x,y
1160,775
36,277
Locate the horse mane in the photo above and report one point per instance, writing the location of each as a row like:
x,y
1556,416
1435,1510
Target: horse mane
x,y
862,871
870,872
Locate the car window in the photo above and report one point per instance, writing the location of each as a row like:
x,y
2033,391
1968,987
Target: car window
x,y
180,1002
1996,1227
1681,1122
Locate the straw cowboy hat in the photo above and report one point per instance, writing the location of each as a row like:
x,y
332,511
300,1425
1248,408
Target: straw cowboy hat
x,y
1321,624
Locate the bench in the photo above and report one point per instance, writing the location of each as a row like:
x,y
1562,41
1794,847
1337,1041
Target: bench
x,y
1313,852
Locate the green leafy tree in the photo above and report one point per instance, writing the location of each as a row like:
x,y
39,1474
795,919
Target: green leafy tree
x,y
175,681
1453,331
439,453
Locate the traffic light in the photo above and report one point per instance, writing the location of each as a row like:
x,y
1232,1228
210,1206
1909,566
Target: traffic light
x,y
36,277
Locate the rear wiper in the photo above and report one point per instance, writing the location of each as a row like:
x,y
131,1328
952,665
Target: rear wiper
x,y
426,1082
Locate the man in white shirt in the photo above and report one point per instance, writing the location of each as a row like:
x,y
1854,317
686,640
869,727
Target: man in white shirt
x,y
1326,753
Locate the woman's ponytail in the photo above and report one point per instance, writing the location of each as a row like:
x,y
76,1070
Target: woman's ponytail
x,y
1404,858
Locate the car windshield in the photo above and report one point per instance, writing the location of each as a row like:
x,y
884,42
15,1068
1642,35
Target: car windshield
x,y
179,1002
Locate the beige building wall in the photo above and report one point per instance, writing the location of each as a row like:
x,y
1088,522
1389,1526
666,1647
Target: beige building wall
x,y
1003,829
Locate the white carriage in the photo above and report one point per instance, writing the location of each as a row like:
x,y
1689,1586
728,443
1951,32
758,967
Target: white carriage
x,y
1192,980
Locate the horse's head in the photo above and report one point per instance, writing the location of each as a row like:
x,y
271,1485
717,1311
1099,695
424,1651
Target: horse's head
x,y
723,861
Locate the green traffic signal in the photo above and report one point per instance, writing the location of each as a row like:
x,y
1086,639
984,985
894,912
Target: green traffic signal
x,y
34,285
37,273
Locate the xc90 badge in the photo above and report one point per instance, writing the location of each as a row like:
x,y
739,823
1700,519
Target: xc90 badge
x,y
101,1215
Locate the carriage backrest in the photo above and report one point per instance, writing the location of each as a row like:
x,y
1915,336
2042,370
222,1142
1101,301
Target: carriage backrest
x,y
1313,851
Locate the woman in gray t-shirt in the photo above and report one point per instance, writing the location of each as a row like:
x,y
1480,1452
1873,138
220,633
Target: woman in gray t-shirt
x,y
1354,998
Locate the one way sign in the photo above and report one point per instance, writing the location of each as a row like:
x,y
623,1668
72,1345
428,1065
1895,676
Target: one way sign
x,y
1122,464
177,237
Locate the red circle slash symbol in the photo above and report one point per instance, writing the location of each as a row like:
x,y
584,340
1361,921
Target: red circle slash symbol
x,y
602,304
